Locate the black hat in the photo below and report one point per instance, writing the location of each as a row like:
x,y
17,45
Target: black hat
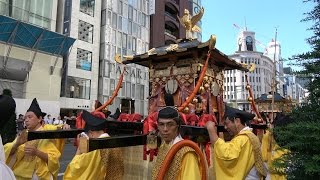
x,y
7,108
232,113
244,116
93,123
168,113
35,108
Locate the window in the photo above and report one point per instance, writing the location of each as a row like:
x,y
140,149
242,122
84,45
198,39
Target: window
x,y
134,43
85,32
84,59
120,23
112,85
109,18
103,17
120,7
124,41
234,79
130,27
114,20
87,7
78,87
130,12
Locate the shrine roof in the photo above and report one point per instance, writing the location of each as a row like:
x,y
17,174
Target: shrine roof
x,y
184,48
268,98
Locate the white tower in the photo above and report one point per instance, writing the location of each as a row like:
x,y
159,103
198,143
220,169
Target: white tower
x,y
246,41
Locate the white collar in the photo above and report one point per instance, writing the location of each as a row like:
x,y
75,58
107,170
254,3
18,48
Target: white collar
x,y
104,135
246,129
176,140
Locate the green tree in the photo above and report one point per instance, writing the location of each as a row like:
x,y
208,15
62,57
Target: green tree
x,y
302,137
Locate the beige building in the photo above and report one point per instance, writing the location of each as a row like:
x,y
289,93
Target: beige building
x,y
31,53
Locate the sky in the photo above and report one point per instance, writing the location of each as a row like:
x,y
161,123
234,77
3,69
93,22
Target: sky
x,y
261,16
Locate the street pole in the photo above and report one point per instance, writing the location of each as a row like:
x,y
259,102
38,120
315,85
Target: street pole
x,y
274,84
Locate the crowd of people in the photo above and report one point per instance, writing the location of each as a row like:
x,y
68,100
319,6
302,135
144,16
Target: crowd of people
x,y
243,157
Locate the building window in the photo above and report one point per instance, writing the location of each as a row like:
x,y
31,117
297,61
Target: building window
x,y
85,32
171,29
234,79
84,59
103,17
171,11
87,7
78,87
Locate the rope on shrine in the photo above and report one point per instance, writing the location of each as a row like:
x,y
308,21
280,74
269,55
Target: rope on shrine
x,y
172,152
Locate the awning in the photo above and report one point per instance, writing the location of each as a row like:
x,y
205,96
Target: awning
x,y
15,32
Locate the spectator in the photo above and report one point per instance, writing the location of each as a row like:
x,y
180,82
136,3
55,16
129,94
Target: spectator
x,y
48,120
57,121
20,123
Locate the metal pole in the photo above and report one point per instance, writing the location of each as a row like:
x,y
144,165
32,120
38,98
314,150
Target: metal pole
x,y
274,75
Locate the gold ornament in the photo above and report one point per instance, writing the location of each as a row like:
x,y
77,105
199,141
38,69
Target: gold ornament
x,y
250,99
201,90
206,86
186,110
195,100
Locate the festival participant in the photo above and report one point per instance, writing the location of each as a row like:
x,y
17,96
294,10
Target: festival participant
x,y
185,164
240,158
271,151
7,108
97,164
36,159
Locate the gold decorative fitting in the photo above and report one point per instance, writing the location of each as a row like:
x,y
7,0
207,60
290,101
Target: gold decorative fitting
x,y
172,47
195,100
248,87
186,110
189,22
206,86
201,90
250,99
151,51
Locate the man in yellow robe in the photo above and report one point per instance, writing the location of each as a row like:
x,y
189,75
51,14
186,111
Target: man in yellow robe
x,y
272,151
185,164
33,159
241,157
98,164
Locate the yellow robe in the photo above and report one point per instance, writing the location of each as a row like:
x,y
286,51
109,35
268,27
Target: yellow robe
x,y
189,168
58,142
23,168
233,160
91,165
270,152
86,166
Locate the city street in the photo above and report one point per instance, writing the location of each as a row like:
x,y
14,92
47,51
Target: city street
x,y
69,151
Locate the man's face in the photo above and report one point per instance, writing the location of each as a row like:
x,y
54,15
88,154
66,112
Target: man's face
x,y
231,127
32,122
168,129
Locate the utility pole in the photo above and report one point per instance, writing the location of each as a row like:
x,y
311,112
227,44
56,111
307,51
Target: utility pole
x,y
274,83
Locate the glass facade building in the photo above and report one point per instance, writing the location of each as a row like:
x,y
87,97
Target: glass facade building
x,y
125,28
37,12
